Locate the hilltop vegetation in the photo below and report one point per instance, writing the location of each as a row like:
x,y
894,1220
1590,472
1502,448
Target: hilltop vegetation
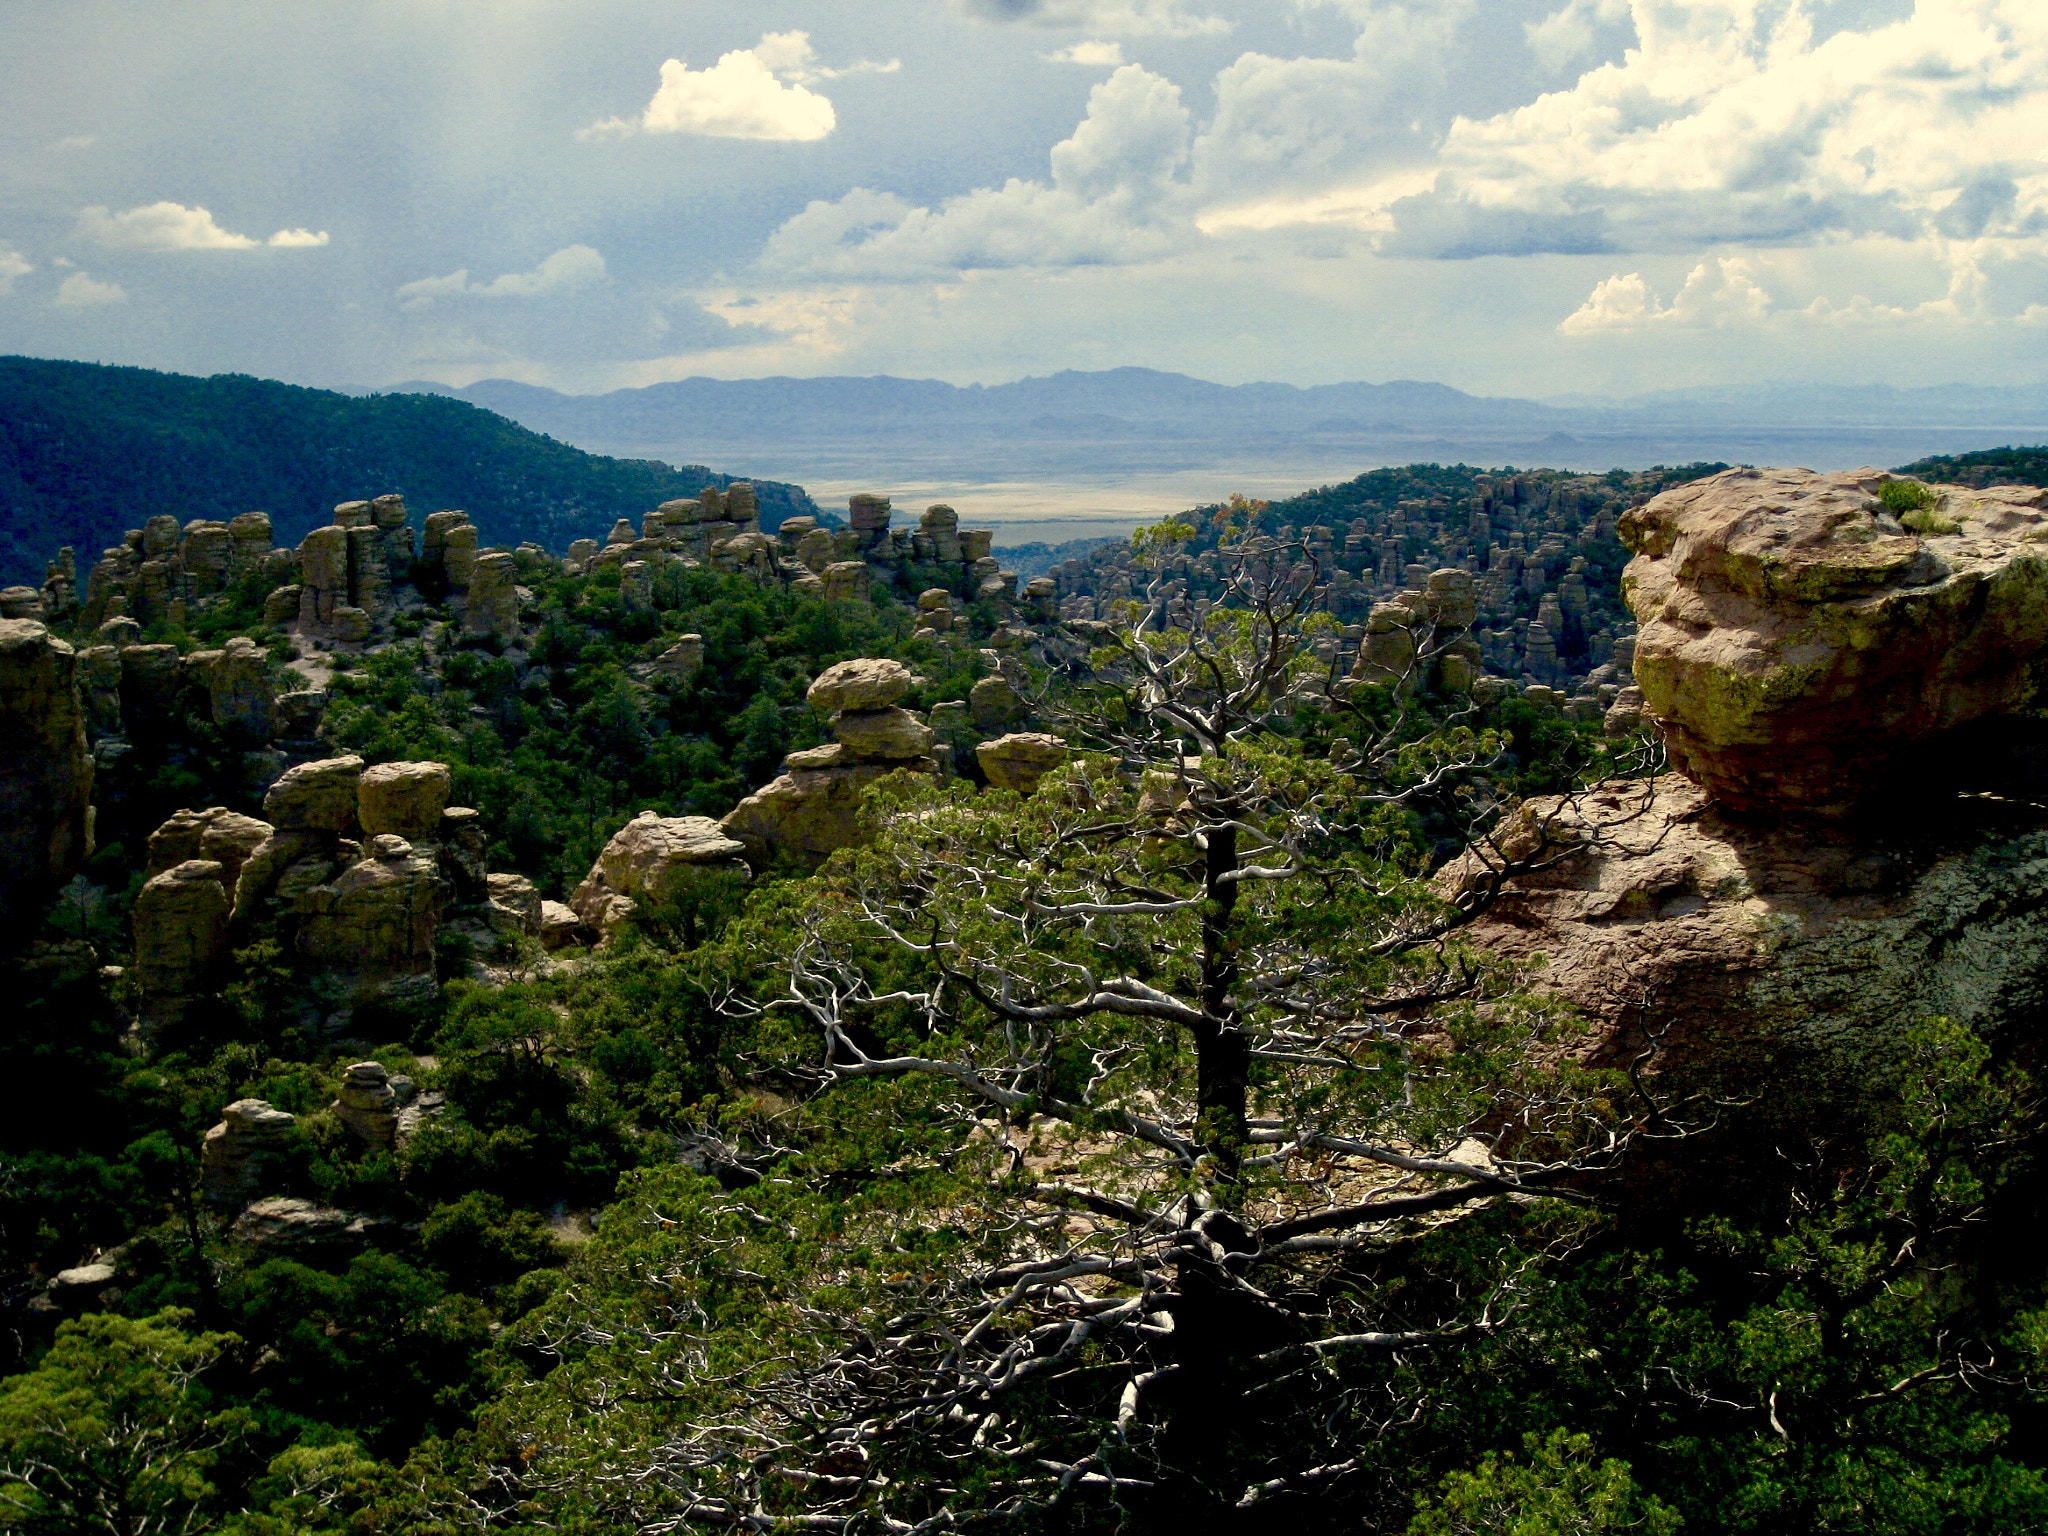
x,y
86,451
1990,466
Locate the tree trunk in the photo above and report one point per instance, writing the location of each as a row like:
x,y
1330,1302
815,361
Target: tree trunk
x,y
1222,1053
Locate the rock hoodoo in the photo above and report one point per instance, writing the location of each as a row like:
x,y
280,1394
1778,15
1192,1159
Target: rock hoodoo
x,y
45,772
1799,642
1798,639
813,809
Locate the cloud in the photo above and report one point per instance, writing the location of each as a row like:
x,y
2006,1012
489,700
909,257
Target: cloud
x,y
1729,123
569,270
174,227
1158,18
1331,140
76,141
1721,293
750,93
1569,34
78,291
1116,194
1096,54
12,265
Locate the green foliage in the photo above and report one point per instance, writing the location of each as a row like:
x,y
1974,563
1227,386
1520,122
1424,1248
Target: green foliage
x,y
87,451
1988,466
1556,1490
114,1431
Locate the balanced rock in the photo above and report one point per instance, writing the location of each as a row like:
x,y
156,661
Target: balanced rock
x,y
1018,761
45,773
241,1152
318,796
404,799
867,683
882,735
653,860
1799,640
368,1105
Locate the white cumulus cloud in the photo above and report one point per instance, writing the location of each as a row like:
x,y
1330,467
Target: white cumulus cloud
x,y
1117,193
1096,55
1730,121
12,265
750,93
570,269
1723,292
80,291
174,227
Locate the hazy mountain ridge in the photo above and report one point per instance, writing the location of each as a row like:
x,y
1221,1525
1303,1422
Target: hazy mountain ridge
x,y
87,451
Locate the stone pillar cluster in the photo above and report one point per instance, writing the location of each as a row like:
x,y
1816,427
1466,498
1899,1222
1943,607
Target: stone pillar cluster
x,y
160,571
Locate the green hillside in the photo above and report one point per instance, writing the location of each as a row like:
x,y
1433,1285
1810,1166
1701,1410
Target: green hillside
x,y
1989,466
87,451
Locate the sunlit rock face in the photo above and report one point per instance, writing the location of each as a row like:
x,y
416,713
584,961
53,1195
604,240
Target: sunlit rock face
x,y
1800,641
45,773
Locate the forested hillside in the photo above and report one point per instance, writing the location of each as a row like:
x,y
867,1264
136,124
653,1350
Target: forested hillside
x,y
1298,1021
86,451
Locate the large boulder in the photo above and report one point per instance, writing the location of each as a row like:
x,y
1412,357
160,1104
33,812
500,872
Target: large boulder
x,y
882,735
373,927
45,773
368,1105
243,698
1800,641
867,683
181,929
242,1152
1018,761
404,799
315,797
654,860
1663,920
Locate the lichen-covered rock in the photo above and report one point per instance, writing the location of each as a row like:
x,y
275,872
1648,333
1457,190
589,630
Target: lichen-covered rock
x,y
560,927
181,929
45,774
882,735
1798,639
404,799
242,1151
373,927
244,700
681,661
1722,934
1018,761
514,904
867,683
493,602
368,1105
993,703
288,1225
653,860
318,796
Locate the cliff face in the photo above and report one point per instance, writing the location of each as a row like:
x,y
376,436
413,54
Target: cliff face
x,y
45,773
1854,841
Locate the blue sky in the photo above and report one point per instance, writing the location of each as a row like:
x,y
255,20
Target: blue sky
x,y
1518,198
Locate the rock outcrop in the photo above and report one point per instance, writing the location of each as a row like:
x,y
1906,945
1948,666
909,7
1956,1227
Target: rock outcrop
x,y
372,928
368,1105
653,861
813,809
45,773
243,1152
1838,685
1799,640
404,799
1718,935
1018,761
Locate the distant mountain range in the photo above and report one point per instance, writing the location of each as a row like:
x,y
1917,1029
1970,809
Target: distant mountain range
x,y
87,451
1135,420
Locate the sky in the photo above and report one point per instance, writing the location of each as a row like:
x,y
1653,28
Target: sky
x,y
1514,197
